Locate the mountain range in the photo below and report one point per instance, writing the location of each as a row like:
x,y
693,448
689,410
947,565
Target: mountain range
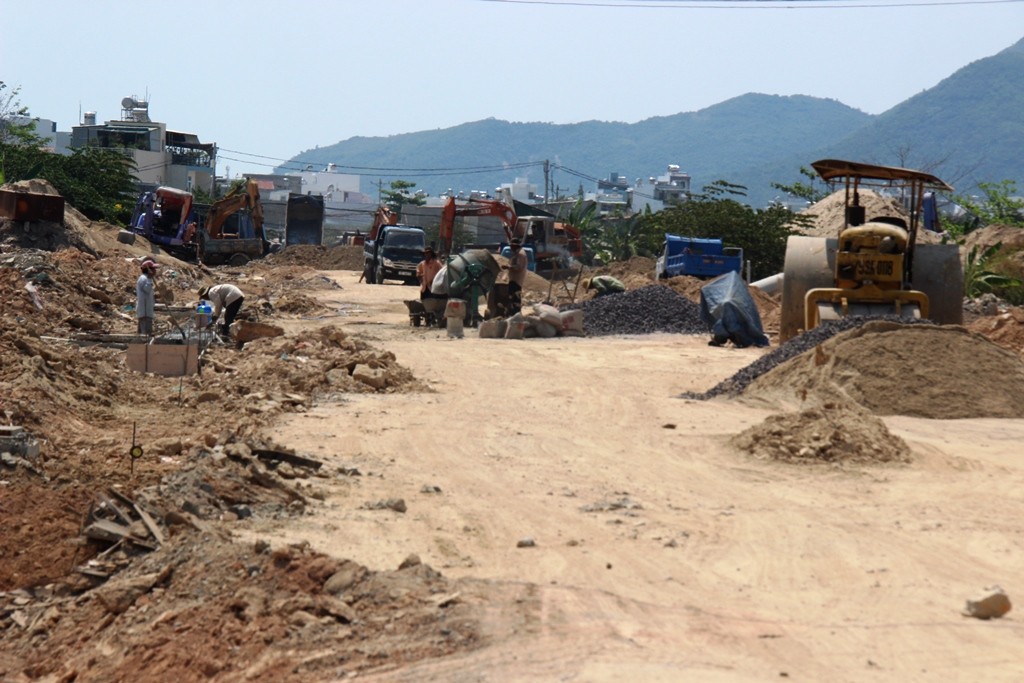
x,y
967,129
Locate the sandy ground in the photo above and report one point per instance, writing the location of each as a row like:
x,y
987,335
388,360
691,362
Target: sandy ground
x,y
660,552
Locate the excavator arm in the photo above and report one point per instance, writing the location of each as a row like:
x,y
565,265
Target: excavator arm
x,y
247,197
476,207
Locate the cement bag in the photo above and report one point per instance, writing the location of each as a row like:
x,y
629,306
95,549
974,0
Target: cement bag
x,y
492,329
440,283
548,314
572,322
546,330
455,308
515,327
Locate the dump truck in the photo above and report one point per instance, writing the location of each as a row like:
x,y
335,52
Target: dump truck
x,y
873,266
392,251
698,257
304,222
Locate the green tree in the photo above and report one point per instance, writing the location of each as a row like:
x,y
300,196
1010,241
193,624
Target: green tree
x,y
999,204
16,124
399,194
813,191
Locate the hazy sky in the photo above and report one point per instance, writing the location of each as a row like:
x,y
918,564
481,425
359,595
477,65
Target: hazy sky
x,y
277,78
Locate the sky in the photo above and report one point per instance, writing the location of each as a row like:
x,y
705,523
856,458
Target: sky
x,y
268,80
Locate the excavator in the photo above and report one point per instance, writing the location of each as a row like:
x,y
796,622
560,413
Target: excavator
x,y
551,242
232,231
874,266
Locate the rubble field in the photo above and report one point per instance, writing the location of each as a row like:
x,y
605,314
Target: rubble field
x,y
118,565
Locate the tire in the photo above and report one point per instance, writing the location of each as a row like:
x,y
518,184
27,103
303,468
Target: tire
x,y
238,259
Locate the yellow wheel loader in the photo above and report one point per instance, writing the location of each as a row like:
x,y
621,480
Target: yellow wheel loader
x,y
873,267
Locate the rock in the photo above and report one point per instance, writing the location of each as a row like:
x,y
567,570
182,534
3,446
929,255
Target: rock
x,y
349,574
330,605
993,604
207,397
413,560
526,543
373,377
118,596
168,446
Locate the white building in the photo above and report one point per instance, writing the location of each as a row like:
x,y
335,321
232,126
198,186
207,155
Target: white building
x,y
162,156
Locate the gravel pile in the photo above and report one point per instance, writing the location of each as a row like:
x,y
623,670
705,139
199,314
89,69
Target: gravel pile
x,y
641,311
792,348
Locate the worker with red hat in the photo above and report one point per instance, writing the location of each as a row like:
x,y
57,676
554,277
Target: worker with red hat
x,y
145,299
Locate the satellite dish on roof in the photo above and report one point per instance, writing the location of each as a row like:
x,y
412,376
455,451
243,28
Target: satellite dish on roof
x,y
128,103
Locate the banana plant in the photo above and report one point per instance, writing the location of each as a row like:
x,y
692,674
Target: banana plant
x,y
979,278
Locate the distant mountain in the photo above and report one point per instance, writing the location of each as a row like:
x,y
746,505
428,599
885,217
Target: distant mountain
x,y
966,129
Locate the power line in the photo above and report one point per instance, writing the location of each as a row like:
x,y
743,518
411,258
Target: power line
x,y
380,169
746,4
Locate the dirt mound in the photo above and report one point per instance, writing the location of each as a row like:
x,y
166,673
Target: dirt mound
x,y
341,257
205,608
835,432
1009,236
892,369
1005,329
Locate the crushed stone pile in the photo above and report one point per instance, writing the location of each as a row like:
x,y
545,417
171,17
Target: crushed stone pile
x,y
641,311
928,371
835,432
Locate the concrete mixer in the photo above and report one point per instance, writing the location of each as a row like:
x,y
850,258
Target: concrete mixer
x,y
873,266
471,275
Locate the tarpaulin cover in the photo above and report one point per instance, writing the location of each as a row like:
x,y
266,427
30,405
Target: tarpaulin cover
x,y
728,310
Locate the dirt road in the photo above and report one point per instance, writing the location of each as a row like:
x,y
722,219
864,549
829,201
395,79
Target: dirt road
x,y
659,552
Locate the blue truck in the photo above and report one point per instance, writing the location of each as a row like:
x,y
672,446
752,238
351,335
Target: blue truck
x,y
697,257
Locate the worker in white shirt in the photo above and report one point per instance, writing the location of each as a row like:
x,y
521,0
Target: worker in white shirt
x,y
227,298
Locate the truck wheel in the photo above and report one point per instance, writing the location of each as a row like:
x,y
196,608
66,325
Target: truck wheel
x,y
238,259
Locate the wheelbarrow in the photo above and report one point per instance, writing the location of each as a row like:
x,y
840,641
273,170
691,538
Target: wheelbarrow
x,y
427,311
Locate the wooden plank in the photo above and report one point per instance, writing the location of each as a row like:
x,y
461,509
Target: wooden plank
x,y
106,530
150,524
117,511
290,458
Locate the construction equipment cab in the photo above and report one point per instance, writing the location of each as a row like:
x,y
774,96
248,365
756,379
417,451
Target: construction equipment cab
x,y
392,251
164,216
697,257
873,266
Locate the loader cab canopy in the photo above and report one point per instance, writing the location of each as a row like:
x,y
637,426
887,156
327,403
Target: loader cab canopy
x,y
835,169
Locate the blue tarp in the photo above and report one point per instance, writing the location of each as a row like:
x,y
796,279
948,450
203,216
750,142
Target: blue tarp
x,y
728,310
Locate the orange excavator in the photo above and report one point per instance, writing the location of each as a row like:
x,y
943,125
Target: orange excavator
x,y
549,240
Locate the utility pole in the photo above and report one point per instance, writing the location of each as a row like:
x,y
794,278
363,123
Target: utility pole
x,y
380,189
547,197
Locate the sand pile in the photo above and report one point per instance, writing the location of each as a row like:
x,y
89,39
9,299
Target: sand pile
x,y
919,370
829,214
834,432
